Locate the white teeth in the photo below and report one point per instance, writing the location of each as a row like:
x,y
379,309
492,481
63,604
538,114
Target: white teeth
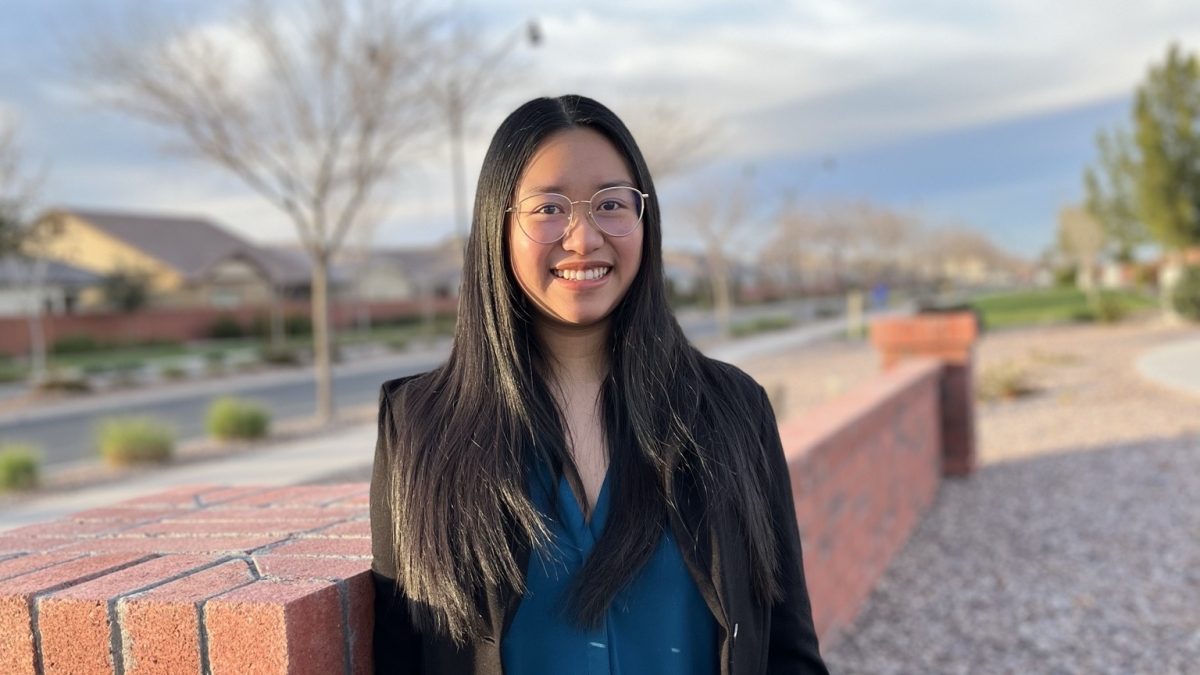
x,y
582,275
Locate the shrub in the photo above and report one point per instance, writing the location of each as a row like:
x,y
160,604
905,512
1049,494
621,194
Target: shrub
x,y
280,356
297,324
214,363
57,381
135,440
235,419
1108,308
173,372
226,326
18,467
1186,295
76,343
761,324
1004,381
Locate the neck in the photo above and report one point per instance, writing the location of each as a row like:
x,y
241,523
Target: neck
x,y
578,355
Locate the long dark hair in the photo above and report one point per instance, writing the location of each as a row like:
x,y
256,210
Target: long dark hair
x,y
468,432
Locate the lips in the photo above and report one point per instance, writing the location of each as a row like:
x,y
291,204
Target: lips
x,y
589,274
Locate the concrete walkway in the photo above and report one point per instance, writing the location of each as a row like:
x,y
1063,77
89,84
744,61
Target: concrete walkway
x,y
328,454
1175,365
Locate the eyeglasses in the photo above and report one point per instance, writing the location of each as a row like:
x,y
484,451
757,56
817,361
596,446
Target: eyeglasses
x,y
545,217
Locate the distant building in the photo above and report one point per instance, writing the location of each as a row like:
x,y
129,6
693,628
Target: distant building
x,y
60,286
400,274
188,261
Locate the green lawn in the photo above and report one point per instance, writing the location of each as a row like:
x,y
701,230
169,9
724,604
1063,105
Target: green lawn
x,y
1050,305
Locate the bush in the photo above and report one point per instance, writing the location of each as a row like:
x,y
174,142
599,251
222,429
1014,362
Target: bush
x,y
18,467
279,356
1186,295
135,440
1004,381
297,324
1108,309
173,372
235,419
57,381
226,326
76,343
761,324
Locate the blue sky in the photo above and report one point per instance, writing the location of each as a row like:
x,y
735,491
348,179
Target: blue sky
x,y
980,113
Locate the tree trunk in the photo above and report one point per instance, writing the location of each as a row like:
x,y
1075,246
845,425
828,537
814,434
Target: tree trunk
x,y
722,298
322,354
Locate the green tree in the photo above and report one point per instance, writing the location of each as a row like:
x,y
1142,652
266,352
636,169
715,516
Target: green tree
x,y
1111,193
126,291
1167,134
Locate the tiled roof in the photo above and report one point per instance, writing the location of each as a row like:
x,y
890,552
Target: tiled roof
x,y
191,245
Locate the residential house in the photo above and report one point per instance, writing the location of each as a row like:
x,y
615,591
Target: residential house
x,y
188,261
53,285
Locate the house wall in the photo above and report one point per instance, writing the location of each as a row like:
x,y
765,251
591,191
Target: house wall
x,y
193,324
74,241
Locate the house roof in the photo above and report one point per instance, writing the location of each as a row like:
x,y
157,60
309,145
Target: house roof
x,y
19,271
191,245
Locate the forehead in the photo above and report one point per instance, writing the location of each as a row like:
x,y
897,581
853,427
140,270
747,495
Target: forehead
x,y
574,161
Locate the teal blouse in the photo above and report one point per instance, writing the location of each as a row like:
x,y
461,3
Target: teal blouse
x,y
659,624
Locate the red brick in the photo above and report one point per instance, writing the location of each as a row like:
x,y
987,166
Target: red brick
x,y
74,624
228,494
160,628
173,544
244,526
11,567
288,567
185,496
352,528
19,544
340,547
320,516
277,628
69,528
17,594
130,514
361,501
303,495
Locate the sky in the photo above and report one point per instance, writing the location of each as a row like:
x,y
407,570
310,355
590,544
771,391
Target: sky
x,y
981,114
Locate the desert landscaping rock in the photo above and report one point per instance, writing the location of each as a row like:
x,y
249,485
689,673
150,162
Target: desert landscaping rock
x,y
1073,550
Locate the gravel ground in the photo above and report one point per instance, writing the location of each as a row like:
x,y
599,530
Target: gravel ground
x,y
1076,546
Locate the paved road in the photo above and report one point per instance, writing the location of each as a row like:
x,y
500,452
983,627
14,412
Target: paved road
x,y
65,432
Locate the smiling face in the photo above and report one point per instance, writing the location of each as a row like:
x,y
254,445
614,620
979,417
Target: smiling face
x,y
578,280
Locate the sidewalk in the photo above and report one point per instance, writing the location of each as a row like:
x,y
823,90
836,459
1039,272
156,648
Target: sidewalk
x,y
329,454
1175,365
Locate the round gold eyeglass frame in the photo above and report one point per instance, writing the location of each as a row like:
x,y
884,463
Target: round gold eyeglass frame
x,y
643,196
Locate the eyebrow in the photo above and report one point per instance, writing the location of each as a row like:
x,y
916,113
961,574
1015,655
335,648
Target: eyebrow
x,y
558,189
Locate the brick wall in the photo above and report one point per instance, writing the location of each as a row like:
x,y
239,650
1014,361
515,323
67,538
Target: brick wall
x,y
864,468
185,324
195,580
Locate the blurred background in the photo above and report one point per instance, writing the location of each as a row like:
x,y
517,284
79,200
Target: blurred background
x,y
197,189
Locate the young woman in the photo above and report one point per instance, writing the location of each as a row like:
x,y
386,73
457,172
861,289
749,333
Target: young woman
x,y
577,489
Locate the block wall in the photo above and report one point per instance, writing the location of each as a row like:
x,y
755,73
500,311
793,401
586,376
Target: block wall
x,y
865,467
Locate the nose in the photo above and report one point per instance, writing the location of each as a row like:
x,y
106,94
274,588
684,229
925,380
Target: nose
x,y
582,235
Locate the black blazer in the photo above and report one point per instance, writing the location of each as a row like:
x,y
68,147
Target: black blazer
x,y
753,638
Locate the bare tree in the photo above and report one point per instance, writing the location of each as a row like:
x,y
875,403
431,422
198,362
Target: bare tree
x,y
334,93
1082,237
470,73
673,139
17,189
717,214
